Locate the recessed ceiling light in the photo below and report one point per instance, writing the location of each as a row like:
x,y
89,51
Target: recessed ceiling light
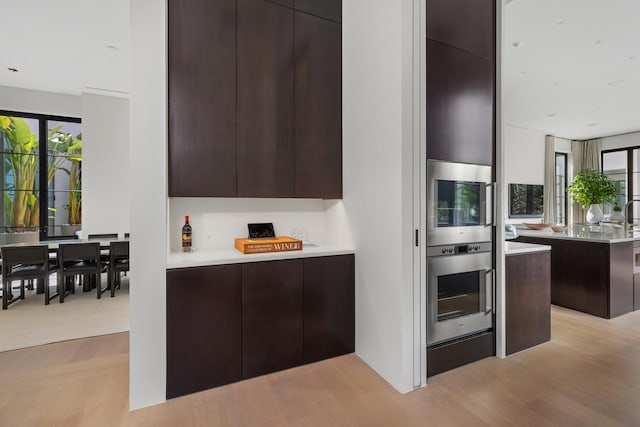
x,y
598,42
515,44
552,114
556,83
523,72
592,124
112,47
13,70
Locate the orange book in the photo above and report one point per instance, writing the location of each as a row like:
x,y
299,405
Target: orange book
x,y
276,244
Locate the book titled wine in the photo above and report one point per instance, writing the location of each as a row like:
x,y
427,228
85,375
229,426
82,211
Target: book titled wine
x,y
275,244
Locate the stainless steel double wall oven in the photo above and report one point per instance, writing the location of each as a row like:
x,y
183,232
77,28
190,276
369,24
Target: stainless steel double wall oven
x,y
460,274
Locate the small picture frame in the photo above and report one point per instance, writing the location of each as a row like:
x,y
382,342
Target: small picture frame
x,y
262,230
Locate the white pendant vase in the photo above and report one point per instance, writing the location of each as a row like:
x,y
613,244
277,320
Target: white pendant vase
x,y
594,214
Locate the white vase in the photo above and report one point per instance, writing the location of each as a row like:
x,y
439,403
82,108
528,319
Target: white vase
x,y
594,214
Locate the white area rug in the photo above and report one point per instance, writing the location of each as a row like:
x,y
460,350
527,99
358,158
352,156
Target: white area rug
x,y
29,322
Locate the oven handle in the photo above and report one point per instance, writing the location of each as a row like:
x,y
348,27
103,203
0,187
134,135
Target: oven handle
x,y
490,204
489,280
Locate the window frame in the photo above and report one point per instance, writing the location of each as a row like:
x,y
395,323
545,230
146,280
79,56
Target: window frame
x,y
555,183
43,160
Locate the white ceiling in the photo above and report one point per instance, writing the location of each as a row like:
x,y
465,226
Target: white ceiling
x,y
576,70
63,45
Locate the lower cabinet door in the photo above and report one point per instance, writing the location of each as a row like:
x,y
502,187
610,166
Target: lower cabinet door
x,y
204,328
271,316
329,307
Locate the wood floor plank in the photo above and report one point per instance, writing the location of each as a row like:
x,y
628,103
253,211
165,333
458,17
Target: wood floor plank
x,y
587,375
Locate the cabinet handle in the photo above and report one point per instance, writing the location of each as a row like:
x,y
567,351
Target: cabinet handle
x,y
490,204
489,286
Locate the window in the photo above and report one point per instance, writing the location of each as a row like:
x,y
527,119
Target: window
x,y
41,174
615,166
560,202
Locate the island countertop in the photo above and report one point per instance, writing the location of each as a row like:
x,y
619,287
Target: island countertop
x,y
605,233
514,248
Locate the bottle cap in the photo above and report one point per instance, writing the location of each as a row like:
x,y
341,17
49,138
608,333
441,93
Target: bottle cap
x,y
186,218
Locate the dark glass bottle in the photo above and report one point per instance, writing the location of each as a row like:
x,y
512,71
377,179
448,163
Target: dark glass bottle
x,y
186,235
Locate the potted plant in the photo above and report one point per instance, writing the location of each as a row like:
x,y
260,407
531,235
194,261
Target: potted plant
x,y
590,189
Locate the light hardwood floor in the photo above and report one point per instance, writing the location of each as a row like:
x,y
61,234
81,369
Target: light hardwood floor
x,y
589,374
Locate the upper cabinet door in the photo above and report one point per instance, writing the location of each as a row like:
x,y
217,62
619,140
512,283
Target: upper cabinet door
x,y
465,24
328,9
265,100
460,94
202,98
318,105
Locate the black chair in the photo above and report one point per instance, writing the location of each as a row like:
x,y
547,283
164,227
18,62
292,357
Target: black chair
x,y
78,259
118,263
126,235
25,263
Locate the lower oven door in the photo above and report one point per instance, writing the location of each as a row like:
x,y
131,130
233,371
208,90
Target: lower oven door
x,y
459,296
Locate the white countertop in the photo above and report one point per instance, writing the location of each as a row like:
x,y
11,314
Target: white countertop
x,y
512,248
605,233
200,258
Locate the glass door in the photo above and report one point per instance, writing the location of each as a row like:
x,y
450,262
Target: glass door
x,y
64,172
458,295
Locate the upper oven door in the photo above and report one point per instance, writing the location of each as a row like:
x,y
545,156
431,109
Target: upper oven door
x,y
459,203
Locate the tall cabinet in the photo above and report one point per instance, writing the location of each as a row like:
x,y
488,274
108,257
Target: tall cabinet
x,y
202,98
460,53
255,98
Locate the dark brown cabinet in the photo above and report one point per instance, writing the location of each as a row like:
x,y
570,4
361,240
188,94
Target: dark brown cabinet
x,y
271,316
460,57
601,283
255,98
460,105
318,105
202,98
204,323
265,100
528,300
329,307
636,291
229,322
328,9
464,24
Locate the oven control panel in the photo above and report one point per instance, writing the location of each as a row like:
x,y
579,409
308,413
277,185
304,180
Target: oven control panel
x,y
447,250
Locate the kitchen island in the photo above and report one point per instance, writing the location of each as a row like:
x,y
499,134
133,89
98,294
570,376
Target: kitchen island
x,y
592,268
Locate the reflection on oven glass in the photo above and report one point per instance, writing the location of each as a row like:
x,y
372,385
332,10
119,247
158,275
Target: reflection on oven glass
x,y
458,295
458,203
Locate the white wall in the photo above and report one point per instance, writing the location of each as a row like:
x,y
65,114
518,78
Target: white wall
x,y
217,222
105,164
523,162
378,175
35,101
148,107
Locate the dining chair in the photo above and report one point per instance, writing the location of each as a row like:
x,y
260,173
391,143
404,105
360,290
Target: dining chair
x,y
118,263
25,263
79,259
